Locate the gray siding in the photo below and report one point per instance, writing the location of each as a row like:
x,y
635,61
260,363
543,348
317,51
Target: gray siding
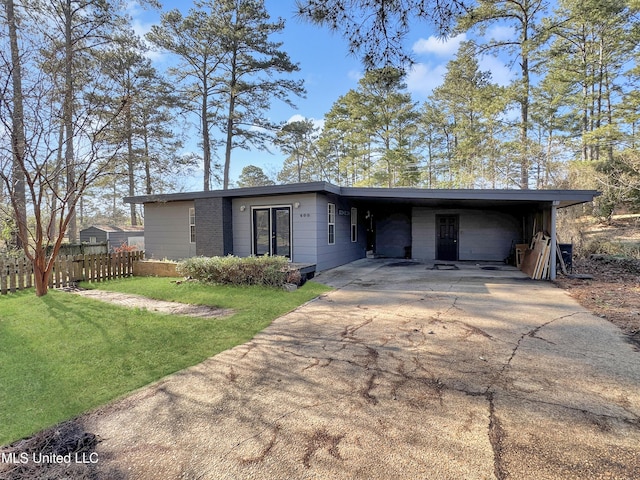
x,y
344,250
483,234
87,233
214,235
166,231
303,220
116,239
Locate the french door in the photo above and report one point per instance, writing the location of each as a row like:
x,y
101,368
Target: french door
x,y
272,231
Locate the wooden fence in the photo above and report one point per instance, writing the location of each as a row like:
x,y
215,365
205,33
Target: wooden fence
x,y
17,273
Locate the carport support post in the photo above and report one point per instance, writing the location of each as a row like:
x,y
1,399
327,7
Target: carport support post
x,y
553,246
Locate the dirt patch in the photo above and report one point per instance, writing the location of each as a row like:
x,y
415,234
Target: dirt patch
x,y
613,293
160,306
322,440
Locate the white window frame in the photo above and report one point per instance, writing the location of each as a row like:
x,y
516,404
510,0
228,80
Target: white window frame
x,y
354,225
331,223
192,225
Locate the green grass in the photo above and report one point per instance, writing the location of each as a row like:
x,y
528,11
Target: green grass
x,y
62,354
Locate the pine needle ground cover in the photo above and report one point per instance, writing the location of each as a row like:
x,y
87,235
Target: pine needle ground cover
x,y
61,354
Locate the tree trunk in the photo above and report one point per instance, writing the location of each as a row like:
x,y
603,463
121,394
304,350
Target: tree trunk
x,y
132,180
55,187
229,142
17,135
40,273
206,142
68,122
147,161
230,114
524,113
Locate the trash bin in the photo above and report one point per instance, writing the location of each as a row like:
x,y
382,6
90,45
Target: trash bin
x,y
566,250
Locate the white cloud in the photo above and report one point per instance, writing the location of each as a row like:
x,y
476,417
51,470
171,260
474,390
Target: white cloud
x,y
500,73
423,78
355,75
438,46
318,123
141,22
140,28
500,33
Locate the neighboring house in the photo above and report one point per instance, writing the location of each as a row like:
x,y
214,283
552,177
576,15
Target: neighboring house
x,y
113,236
326,225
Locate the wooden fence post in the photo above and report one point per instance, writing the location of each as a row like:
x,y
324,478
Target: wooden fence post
x,y
3,276
12,275
17,273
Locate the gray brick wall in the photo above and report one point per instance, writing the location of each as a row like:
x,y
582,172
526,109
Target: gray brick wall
x,y
214,229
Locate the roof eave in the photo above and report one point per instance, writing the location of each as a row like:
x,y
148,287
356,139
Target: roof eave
x,y
287,189
564,198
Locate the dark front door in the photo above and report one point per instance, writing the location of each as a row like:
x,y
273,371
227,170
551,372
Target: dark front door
x,y
272,231
447,237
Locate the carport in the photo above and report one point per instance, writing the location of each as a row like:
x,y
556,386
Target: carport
x,y
459,225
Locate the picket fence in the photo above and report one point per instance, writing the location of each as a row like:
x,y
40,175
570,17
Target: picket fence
x,y
17,273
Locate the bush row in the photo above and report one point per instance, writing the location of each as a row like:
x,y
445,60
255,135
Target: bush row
x,y
230,270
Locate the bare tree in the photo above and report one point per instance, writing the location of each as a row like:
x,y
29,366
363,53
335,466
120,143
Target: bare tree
x,y
17,124
41,162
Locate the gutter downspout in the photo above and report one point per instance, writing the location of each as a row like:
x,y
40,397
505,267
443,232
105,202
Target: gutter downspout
x,y
553,245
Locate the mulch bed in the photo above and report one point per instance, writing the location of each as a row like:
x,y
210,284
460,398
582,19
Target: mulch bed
x,y
64,451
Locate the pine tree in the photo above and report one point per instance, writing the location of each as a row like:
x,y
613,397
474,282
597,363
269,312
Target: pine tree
x,y
145,127
195,40
253,176
524,17
297,140
253,74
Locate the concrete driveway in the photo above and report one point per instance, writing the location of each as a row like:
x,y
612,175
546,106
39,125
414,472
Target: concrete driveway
x,y
402,372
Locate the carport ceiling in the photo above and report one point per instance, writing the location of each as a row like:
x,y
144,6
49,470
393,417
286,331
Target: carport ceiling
x,y
455,204
456,198
470,198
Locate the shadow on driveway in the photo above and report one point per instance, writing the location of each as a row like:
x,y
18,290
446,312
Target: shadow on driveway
x,y
401,372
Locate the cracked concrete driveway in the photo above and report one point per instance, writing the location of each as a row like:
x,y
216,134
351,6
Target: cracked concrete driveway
x,y
402,372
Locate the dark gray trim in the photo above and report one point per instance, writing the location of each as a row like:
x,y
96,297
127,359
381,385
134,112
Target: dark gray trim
x,y
214,232
433,196
416,196
238,192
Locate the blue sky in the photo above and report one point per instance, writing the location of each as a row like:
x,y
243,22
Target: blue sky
x,y
329,71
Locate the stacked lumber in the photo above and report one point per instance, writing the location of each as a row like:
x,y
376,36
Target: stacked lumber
x,y
535,262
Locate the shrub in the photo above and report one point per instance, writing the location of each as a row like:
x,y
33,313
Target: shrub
x,y
125,247
230,270
611,248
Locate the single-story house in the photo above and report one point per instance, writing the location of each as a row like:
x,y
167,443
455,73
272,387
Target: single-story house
x,y
327,225
113,236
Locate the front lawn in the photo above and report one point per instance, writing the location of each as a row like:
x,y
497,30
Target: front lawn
x,y
61,354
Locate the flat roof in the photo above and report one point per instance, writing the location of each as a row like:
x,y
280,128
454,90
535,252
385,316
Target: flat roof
x,y
115,228
419,196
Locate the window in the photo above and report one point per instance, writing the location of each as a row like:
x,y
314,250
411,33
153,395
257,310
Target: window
x,y
192,225
354,224
331,219
93,239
